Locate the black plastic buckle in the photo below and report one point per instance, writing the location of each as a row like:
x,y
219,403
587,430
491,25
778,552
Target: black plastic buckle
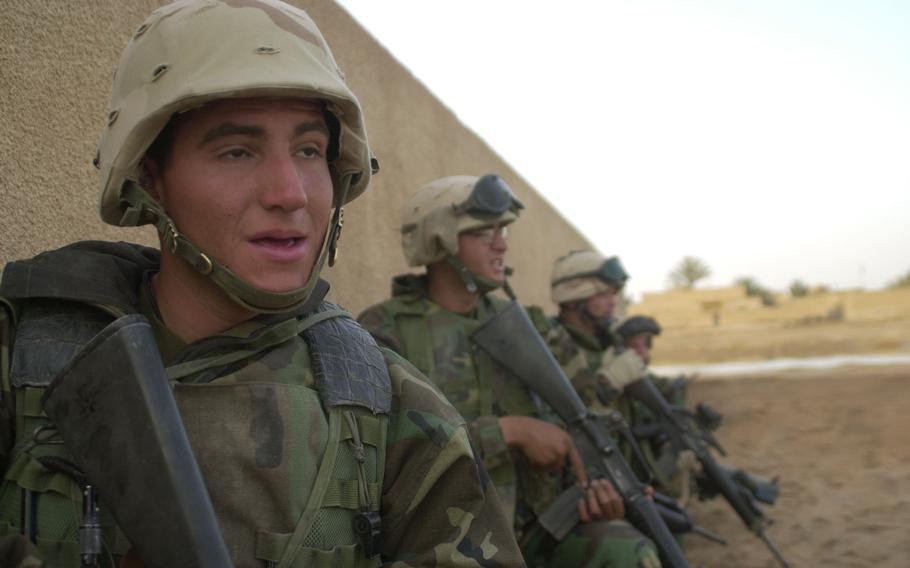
x,y
367,527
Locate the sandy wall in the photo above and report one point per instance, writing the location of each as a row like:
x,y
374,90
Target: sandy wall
x,y
56,61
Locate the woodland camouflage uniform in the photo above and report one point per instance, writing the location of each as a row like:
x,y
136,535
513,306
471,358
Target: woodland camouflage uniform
x,y
434,499
437,341
288,455
585,357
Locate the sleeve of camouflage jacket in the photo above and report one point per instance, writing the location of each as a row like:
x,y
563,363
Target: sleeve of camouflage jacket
x,y
439,506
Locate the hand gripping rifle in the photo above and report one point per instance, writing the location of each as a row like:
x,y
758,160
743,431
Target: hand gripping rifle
x,y
114,409
512,341
739,488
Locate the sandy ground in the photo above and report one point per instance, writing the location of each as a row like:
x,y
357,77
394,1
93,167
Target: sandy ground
x,y
839,442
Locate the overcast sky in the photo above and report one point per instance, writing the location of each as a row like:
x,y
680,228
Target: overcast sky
x,y
769,138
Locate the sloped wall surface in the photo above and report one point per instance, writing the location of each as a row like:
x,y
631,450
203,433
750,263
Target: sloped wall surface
x,y
56,62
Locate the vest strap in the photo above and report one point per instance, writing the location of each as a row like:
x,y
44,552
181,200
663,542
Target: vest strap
x,y
317,496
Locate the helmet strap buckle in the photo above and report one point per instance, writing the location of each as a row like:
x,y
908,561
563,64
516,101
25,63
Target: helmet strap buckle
x,y
337,225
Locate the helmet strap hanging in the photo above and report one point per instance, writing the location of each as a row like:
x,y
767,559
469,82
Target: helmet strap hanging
x,y
477,284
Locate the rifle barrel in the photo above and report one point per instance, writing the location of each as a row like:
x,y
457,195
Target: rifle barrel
x,y
774,550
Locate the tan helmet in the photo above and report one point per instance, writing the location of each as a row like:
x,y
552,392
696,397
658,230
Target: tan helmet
x,y
582,274
195,51
433,217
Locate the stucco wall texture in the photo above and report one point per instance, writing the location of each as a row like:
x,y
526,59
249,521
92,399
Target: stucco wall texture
x,y
56,63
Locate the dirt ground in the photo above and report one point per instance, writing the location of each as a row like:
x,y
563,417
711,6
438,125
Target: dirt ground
x,y
839,442
757,342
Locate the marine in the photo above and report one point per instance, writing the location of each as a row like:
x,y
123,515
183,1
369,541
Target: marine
x,y
232,132
457,227
586,286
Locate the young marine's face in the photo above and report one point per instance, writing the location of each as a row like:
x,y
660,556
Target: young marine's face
x,y
483,252
641,344
602,304
248,181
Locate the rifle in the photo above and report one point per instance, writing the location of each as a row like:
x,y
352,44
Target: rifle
x,y
738,487
512,341
114,409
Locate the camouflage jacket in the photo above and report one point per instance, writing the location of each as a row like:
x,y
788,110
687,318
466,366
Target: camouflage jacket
x,y
582,355
259,429
438,343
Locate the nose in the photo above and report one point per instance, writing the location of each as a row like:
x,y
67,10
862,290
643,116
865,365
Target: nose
x,y
283,186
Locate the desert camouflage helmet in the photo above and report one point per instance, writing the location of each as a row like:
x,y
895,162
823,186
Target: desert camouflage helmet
x,y
195,51
638,325
433,217
582,274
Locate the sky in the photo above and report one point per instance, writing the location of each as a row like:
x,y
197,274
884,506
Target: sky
x,y
769,138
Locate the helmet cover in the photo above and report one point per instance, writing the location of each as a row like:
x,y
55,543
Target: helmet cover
x,y
433,217
581,274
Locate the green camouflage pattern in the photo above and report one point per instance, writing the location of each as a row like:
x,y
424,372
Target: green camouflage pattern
x,y
437,342
259,431
582,356
613,544
17,552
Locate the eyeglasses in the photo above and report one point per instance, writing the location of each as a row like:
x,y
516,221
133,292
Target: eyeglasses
x,y
489,234
491,197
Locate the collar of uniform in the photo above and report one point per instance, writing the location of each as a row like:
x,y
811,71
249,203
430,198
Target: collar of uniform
x,y
168,343
584,338
174,350
410,287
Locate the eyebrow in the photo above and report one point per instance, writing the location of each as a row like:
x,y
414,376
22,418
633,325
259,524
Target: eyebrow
x,y
233,129
305,127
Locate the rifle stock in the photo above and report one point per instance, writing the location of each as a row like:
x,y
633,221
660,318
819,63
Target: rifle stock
x,y
512,341
114,409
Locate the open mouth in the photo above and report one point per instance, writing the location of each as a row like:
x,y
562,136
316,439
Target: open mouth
x,y
271,242
281,248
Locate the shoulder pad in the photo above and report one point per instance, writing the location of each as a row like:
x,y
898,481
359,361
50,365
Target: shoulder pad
x,y
49,334
93,272
348,364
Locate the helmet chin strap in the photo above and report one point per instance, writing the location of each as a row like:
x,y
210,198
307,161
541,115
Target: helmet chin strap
x,y
143,208
476,284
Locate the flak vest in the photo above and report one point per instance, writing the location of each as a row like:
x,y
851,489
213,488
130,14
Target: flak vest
x,y
438,343
288,467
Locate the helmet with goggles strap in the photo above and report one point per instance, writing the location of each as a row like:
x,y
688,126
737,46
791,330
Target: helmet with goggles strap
x,y
581,274
178,60
439,211
433,217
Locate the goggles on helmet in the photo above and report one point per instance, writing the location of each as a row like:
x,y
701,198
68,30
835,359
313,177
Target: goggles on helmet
x,y
610,272
491,197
